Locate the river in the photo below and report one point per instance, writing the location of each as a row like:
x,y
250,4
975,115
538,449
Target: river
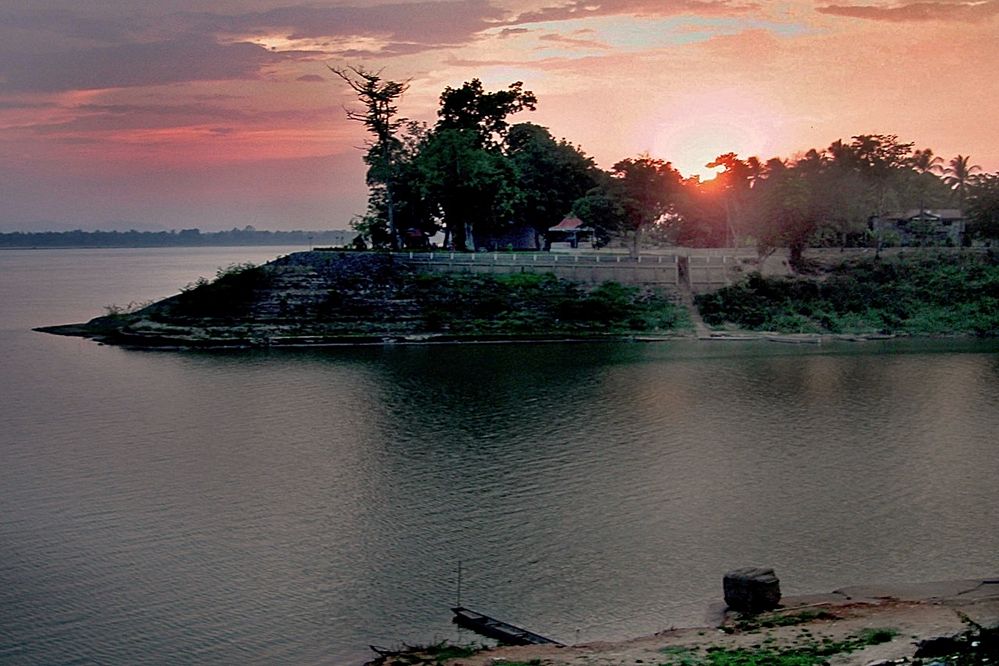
x,y
296,506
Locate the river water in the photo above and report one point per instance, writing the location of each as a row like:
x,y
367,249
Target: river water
x,y
296,506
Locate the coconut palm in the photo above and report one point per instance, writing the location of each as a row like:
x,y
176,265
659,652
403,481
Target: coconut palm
x,y
960,176
924,161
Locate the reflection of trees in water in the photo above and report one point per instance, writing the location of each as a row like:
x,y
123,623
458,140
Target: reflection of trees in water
x,y
490,390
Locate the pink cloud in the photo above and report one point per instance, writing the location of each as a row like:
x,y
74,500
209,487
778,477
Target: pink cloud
x,y
918,11
579,9
573,42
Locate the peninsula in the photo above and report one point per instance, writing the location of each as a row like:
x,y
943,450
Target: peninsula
x,y
343,297
333,297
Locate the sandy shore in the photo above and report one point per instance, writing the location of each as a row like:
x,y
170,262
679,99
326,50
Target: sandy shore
x,y
912,612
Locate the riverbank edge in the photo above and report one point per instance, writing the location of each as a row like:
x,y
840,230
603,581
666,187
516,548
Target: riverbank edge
x,y
111,336
211,331
915,614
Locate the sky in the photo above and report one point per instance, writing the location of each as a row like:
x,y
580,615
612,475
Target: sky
x,y
120,114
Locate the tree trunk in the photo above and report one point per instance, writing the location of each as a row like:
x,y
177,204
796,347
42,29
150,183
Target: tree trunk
x,y
469,232
636,242
390,210
794,256
458,238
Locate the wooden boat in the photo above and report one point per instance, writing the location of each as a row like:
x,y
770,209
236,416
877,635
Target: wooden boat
x,y
504,632
795,339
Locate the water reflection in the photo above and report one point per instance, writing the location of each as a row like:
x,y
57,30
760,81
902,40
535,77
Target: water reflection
x,y
296,506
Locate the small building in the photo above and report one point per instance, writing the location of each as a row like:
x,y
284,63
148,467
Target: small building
x,y
510,236
921,226
570,234
415,239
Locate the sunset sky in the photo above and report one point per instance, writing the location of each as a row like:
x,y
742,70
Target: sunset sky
x,y
213,114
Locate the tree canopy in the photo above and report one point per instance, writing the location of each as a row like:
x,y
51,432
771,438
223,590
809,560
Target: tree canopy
x,y
489,183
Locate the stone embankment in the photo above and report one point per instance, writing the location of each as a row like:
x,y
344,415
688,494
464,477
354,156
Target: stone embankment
x,y
321,298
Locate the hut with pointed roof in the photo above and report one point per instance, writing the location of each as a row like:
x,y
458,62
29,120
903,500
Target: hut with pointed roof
x,y
570,234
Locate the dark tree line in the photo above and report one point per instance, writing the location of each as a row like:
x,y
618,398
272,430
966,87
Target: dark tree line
x,y
482,180
182,238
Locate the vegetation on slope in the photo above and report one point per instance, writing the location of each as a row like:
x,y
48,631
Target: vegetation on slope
x,y
919,294
345,296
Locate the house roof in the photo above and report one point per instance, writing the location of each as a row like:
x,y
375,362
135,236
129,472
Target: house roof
x,y
570,223
940,213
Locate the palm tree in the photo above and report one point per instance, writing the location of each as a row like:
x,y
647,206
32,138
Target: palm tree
x,y
924,161
960,176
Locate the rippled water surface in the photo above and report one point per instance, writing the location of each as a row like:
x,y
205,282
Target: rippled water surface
x,y
293,507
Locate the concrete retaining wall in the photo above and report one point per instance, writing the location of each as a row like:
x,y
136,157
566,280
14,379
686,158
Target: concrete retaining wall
x,y
703,270
593,269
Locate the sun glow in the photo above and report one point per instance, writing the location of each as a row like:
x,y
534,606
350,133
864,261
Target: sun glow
x,y
704,128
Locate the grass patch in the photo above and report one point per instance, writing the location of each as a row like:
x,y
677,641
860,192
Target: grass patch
x,y
770,620
811,653
678,655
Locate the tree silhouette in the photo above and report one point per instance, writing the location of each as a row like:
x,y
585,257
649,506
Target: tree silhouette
x,y
734,184
379,98
960,176
472,108
646,188
924,161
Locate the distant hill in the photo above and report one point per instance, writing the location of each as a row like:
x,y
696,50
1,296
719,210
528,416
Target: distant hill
x,y
182,238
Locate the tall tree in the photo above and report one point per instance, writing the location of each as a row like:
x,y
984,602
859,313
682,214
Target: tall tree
x,y
924,161
702,215
551,175
732,186
880,158
470,188
471,108
379,97
602,210
646,189
464,173
960,175
789,211
983,207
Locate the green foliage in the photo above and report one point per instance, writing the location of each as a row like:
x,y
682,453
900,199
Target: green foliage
x,y
678,655
551,175
876,636
528,303
811,653
929,294
465,181
983,207
471,108
769,620
646,189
